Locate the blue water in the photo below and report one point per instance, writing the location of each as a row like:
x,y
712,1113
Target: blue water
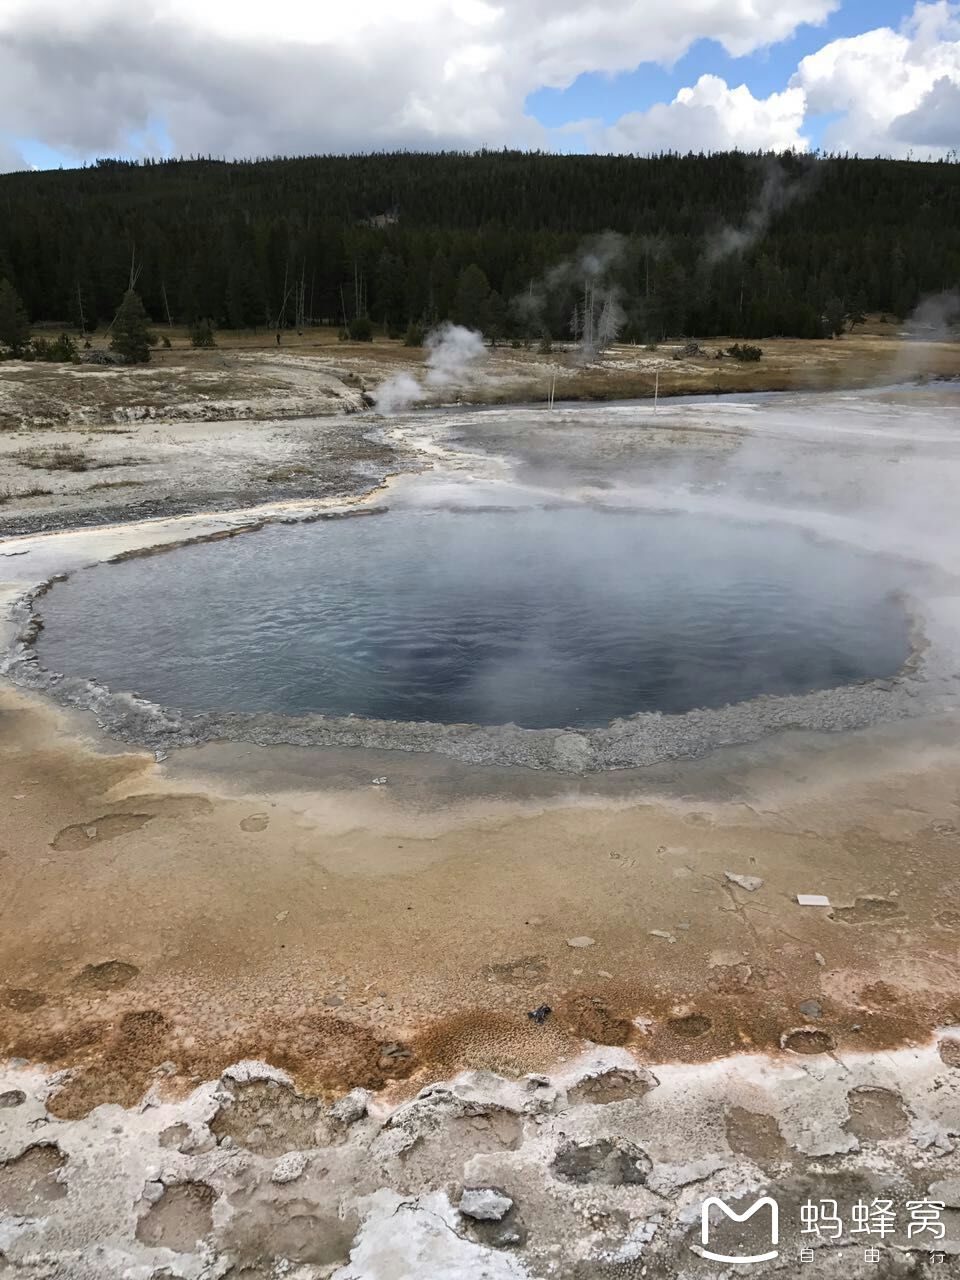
x,y
571,616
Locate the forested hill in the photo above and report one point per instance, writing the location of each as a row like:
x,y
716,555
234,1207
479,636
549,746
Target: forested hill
x,y
733,244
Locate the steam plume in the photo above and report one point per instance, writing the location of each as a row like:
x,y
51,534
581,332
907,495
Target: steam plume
x,y
775,195
597,316
453,353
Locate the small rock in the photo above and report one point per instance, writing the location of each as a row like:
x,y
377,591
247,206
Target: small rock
x,y
351,1107
540,1014
289,1167
819,959
507,1237
486,1204
395,1050
199,1143
662,933
580,943
333,1002
379,782
153,1191
811,1009
750,883
281,916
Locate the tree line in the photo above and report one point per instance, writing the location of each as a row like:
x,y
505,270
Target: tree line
x,y
738,244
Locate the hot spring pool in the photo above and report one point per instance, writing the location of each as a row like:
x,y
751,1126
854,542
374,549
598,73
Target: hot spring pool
x,y
569,616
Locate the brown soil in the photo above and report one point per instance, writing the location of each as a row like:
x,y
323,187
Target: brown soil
x,y
411,941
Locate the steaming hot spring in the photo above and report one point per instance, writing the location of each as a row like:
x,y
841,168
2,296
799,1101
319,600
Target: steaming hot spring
x,y
573,615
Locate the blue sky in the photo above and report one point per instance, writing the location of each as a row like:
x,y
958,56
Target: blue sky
x,y
604,97
153,140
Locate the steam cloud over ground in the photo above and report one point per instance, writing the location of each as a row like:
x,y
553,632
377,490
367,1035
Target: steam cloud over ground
x,y
453,356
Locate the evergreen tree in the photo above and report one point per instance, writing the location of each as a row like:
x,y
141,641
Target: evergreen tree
x,y
132,338
201,334
360,329
835,317
14,325
246,302
389,303
232,240
473,293
858,309
496,326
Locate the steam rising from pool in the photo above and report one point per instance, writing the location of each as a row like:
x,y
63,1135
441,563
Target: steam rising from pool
x,y
571,616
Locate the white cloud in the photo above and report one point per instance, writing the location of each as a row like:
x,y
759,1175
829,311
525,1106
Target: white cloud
x,y
710,116
240,78
935,123
891,87
236,77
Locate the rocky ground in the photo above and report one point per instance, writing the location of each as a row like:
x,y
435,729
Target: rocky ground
x,y
601,1170
85,444
520,1021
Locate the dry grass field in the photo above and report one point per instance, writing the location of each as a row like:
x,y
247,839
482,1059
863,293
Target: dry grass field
x,y
248,376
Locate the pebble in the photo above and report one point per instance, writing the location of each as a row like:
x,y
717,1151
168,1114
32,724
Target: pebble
x,y
811,1009
580,943
486,1204
289,1167
662,933
351,1107
750,883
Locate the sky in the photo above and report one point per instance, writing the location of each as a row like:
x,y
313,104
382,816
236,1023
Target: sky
x,y
238,78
